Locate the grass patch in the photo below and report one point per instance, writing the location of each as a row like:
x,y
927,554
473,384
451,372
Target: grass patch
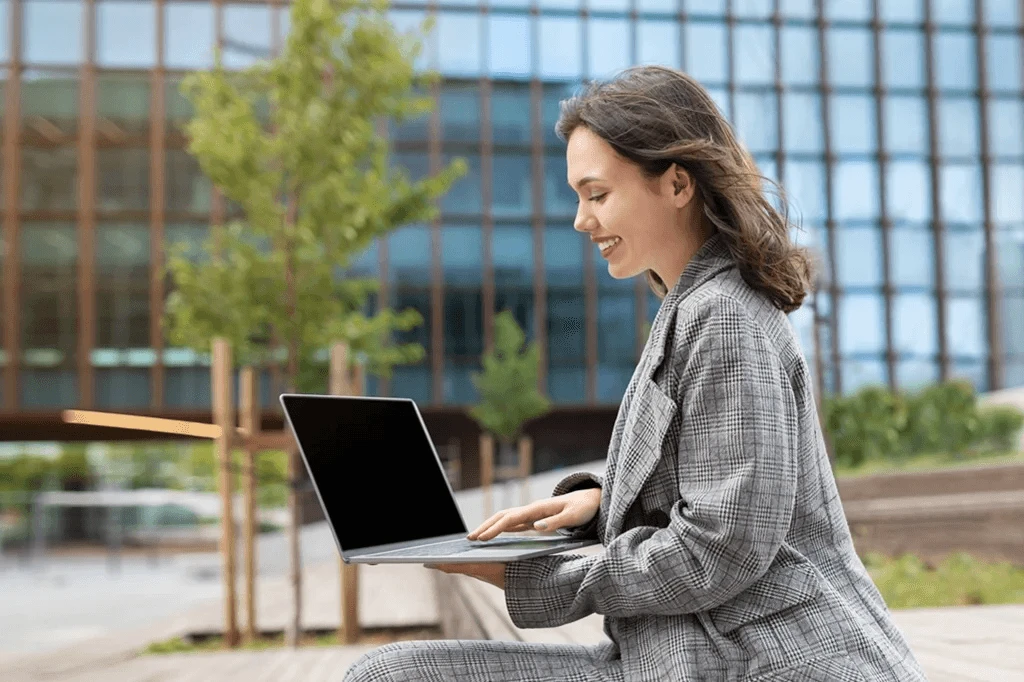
x,y
908,582
927,462
214,643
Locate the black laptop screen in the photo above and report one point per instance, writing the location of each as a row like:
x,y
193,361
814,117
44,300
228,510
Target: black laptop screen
x,y
373,465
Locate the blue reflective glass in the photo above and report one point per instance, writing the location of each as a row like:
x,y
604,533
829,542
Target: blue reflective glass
x,y
912,375
409,255
1007,181
464,195
561,47
511,187
247,35
618,6
964,259
1002,56
409,21
752,9
5,46
955,61
512,249
563,263
908,191
960,193
852,121
657,6
462,254
801,122
861,324
52,32
713,8
609,47
510,114
415,164
906,125
412,381
460,113
756,122
510,44
958,126
914,327
860,372
559,4
855,190
189,36
559,198
805,188
459,46
850,57
755,55
903,59
658,43
509,3
706,58
953,12
721,98
125,34
616,346
1002,12
800,56
912,256
901,11
797,9
848,10
551,101
859,256
965,327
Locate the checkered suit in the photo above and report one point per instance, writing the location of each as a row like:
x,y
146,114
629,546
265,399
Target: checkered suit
x,y
727,556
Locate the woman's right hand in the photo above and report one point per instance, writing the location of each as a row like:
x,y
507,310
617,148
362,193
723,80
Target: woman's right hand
x,y
562,511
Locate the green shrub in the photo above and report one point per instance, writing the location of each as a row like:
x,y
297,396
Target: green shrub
x,y
1000,427
942,418
866,425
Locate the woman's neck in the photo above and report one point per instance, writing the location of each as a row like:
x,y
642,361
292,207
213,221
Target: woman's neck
x,y
692,237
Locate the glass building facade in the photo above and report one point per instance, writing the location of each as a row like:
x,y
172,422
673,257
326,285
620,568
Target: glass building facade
x,y
896,127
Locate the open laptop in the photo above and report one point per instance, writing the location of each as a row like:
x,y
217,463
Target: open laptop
x,y
382,487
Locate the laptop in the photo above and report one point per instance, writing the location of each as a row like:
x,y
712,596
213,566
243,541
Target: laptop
x,y
383,489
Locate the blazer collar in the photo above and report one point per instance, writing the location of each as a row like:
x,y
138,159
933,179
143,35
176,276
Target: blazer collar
x,y
711,258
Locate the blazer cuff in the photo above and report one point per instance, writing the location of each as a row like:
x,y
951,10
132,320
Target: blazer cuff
x,y
540,592
581,480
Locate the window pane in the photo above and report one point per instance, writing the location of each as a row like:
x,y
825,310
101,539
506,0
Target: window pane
x,y
462,263
247,36
912,257
906,125
859,256
855,190
52,32
609,41
616,345
512,249
460,113
953,12
458,37
510,114
755,55
905,11
805,187
1013,330
958,126
802,122
510,45
125,34
752,9
915,374
512,185
714,8
188,35
853,124
123,102
961,193
1007,181
1002,54
608,5
554,93
410,252
955,61
5,46
123,182
1009,246
861,324
658,43
908,191
122,285
1006,127
965,327
756,124
49,101
657,6
188,189
850,57
561,48
914,324
800,57
464,195
903,58
848,10
706,52
49,179
563,263
860,372
559,198
1002,12
964,260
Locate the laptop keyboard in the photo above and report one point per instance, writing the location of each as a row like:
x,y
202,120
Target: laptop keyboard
x,y
458,546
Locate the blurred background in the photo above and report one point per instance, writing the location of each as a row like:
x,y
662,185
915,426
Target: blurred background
x,y
896,129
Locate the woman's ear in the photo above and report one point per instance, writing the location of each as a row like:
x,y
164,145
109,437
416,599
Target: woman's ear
x,y
683,186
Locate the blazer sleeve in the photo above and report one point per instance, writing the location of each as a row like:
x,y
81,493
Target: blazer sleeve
x,y
737,486
579,481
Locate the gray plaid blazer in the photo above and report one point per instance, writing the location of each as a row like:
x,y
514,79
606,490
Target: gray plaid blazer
x,y
727,555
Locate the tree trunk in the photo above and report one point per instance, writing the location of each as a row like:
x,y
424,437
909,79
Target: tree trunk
x,y
294,629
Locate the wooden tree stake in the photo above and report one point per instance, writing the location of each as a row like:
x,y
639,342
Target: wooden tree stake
x,y
249,421
348,633
223,416
486,471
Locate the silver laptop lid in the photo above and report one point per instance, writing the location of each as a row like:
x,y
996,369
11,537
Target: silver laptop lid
x,y
374,468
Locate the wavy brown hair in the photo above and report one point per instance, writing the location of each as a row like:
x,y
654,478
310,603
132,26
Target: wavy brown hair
x,y
655,116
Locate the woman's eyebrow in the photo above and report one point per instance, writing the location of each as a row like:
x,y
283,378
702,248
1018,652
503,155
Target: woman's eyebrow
x,y
585,181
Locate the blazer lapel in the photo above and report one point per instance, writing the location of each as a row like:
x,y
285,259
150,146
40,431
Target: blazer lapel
x,y
648,410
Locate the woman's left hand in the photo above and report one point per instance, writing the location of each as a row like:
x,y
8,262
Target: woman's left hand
x,y
489,573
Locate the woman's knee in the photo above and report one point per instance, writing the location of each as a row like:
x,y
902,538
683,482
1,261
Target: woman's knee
x,y
393,662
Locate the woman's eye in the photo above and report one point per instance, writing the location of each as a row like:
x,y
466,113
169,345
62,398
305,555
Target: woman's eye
x,y
598,197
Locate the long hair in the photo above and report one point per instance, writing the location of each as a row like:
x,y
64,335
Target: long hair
x,y
656,116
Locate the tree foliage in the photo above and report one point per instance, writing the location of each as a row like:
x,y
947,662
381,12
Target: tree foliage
x,y
294,142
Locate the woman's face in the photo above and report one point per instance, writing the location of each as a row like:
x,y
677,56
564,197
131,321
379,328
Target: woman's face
x,y
634,219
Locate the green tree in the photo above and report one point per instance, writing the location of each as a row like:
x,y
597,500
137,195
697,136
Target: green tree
x,y
508,384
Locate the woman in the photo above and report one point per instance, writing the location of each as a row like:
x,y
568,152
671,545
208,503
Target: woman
x,y
726,552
